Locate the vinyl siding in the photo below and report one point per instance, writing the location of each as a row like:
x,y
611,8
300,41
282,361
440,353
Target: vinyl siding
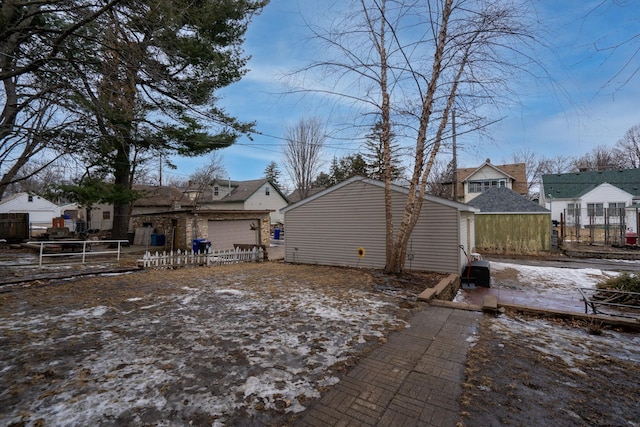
x,y
274,201
330,229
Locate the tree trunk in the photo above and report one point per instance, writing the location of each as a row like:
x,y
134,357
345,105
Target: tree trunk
x,y
122,173
396,259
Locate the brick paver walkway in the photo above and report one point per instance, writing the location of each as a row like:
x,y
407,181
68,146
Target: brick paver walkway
x,y
413,380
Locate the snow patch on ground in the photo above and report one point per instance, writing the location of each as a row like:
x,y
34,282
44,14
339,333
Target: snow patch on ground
x,y
218,350
571,344
550,280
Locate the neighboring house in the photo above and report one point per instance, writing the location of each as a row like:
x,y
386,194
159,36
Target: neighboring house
x,y
41,211
296,195
238,214
176,229
159,199
257,194
593,198
329,228
510,223
472,182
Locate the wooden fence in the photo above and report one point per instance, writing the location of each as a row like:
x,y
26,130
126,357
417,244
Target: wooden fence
x,y
513,232
190,258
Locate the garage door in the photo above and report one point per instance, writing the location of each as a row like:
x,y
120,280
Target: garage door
x,y
223,234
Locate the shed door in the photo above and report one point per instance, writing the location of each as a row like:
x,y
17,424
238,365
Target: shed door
x,y
223,234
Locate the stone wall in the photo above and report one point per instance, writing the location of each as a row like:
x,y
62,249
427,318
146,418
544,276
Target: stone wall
x,y
188,225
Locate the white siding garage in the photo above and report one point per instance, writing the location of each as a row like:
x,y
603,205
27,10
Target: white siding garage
x,y
224,234
329,227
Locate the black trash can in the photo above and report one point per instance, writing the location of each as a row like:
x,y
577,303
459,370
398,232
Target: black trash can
x,y
204,246
477,273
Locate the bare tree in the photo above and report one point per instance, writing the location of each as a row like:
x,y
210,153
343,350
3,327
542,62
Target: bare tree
x,y
203,176
556,164
620,47
302,154
599,159
212,169
411,63
627,149
441,180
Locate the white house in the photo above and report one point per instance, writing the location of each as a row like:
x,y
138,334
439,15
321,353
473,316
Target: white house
x,y
252,195
41,211
593,198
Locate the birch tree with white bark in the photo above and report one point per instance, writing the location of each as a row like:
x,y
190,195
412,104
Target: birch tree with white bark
x,y
409,63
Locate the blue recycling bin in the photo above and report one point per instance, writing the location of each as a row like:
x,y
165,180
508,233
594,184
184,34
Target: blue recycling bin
x,y
276,234
200,245
157,239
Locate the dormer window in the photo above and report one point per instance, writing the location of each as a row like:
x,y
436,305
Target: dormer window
x,y
30,198
216,191
267,191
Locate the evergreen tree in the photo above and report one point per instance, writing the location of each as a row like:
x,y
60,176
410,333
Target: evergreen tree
x,y
272,173
323,180
143,79
374,155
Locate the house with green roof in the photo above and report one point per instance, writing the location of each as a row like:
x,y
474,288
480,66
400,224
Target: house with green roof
x,y
593,197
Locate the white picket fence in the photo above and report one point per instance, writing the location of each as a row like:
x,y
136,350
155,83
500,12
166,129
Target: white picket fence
x,y
190,258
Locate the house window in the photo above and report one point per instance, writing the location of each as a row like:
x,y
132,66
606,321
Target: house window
x,y
573,209
30,198
595,209
267,191
483,185
616,209
106,214
215,191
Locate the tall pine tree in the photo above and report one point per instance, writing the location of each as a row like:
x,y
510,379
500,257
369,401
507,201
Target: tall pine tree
x,y
374,155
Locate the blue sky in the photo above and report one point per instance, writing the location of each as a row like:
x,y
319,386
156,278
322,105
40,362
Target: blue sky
x,y
590,98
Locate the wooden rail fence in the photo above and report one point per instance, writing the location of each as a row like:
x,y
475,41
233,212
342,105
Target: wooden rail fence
x,y
190,258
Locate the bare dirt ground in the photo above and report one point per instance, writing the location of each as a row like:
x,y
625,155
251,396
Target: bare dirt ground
x,y
255,344
247,344
525,370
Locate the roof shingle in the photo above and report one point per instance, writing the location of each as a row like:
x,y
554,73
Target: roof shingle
x,y
504,200
575,184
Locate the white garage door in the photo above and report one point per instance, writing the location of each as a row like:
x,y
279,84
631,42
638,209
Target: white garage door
x,y
223,234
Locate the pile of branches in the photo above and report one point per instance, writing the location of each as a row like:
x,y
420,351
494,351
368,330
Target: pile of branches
x,y
623,289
